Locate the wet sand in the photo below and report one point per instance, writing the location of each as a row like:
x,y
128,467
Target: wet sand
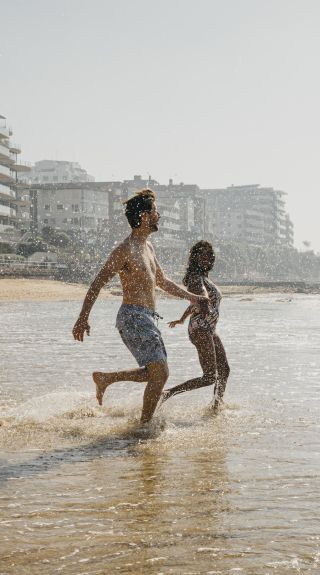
x,y
19,289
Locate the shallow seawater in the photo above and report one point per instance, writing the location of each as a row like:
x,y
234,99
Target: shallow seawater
x,y
84,491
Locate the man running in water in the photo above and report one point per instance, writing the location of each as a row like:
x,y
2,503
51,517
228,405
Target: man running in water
x,y
139,271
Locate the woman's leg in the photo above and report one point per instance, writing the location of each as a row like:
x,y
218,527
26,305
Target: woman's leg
x,y
203,340
222,367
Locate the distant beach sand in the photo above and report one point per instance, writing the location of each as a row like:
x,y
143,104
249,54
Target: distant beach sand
x,y
50,290
44,290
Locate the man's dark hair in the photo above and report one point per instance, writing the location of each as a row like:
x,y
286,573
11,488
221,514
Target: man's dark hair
x,y
194,267
137,205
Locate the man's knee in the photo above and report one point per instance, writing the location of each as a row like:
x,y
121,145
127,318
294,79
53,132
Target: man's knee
x,y
163,371
158,371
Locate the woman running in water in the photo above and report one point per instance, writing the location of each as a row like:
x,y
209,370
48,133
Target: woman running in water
x,y
202,328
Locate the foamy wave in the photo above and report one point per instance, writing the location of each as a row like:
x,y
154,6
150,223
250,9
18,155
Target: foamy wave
x,y
43,407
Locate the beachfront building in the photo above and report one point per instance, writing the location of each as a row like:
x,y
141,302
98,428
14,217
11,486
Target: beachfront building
x,y
53,176
286,229
56,172
249,214
10,168
82,207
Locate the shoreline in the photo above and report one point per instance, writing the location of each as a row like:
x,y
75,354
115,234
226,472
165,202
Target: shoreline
x,y
25,289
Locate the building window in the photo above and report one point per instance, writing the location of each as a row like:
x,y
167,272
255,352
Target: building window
x,y
47,207
60,207
45,221
55,178
45,178
75,207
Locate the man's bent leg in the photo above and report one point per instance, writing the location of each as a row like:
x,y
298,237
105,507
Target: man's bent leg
x,y
158,374
103,380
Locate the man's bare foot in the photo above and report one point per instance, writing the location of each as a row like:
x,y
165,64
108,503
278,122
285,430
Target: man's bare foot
x,y
102,380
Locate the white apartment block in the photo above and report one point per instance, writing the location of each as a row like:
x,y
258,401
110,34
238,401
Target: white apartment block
x,y
80,207
10,166
248,214
56,172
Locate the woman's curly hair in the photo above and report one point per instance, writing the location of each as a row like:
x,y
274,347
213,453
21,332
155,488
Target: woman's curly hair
x,y
194,268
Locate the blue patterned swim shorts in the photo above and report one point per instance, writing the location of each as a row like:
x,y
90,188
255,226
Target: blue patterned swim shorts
x,y
138,331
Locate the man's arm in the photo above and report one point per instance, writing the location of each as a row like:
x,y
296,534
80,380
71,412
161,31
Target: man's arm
x,y
113,265
172,288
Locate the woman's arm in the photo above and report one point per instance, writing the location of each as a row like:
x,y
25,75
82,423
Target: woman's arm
x,y
186,313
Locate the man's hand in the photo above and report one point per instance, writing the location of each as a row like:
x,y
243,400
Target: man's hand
x,y
80,327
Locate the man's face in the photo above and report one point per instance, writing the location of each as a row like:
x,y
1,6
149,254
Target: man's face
x,y
153,218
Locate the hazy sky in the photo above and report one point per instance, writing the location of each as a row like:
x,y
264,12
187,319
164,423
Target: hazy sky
x,y
213,92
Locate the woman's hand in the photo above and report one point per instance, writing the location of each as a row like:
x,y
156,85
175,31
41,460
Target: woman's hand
x,y
174,323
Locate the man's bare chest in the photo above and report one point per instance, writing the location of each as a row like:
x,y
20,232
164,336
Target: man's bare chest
x,y
141,265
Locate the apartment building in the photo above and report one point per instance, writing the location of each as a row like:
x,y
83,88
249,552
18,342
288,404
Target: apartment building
x,y
56,172
61,196
191,209
81,207
10,167
98,206
250,214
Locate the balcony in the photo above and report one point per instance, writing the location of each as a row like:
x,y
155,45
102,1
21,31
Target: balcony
x,y
7,211
5,175
5,155
6,193
4,132
22,202
21,166
15,148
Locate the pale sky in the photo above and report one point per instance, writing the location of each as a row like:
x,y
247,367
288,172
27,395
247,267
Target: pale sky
x,y
213,92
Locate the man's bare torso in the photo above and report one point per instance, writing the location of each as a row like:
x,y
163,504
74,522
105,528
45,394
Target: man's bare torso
x,y
138,274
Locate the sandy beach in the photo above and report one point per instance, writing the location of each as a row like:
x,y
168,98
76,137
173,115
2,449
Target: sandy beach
x,y
46,290
19,289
